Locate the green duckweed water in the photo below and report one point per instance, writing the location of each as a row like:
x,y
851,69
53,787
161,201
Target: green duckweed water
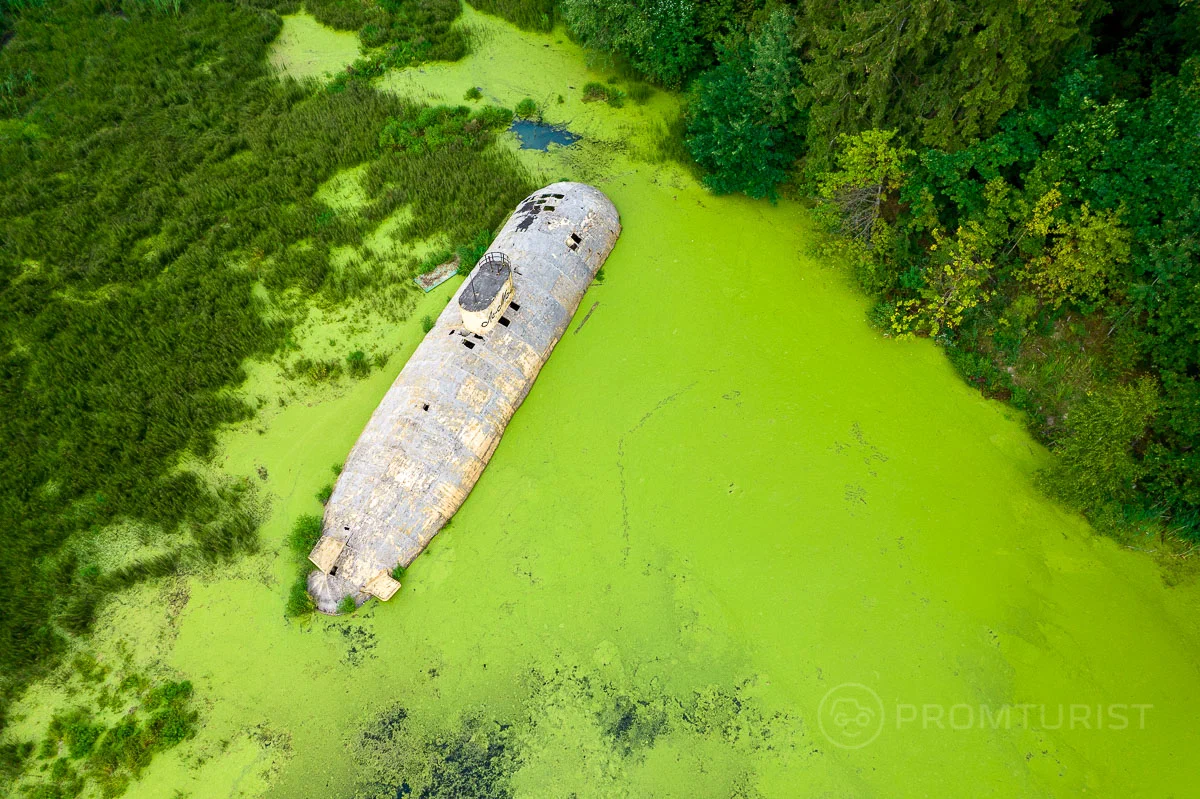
x,y
725,497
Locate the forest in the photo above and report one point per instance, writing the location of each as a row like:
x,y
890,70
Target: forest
x,y
1019,182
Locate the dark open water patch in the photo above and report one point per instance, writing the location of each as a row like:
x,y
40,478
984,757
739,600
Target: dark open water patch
x,y
539,135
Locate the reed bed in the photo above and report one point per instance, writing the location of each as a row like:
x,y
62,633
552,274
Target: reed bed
x,y
155,176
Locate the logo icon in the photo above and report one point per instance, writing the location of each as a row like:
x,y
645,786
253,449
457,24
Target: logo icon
x,y
851,715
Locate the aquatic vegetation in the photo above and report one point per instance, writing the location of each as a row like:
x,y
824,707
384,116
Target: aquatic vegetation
x,y
527,109
883,521
133,247
610,726
594,90
639,92
443,127
103,746
302,538
357,365
536,15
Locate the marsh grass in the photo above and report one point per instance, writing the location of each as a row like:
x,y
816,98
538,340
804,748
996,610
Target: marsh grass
x,y
159,227
303,537
527,109
531,15
394,33
99,747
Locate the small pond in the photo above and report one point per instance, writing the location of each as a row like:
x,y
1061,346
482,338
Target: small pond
x,y
540,135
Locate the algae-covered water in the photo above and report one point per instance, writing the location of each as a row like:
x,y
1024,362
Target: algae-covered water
x,y
733,544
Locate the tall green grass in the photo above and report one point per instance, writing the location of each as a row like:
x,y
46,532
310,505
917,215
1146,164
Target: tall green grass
x,y
164,175
531,15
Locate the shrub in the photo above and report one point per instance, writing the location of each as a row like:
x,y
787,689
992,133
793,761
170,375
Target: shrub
x,y
324,494
299,603
593,91
1096,464
426,323
347,606
473,93
358,365
304,535
527,109
661,39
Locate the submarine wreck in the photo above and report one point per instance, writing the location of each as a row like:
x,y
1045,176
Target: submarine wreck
x,y
433,433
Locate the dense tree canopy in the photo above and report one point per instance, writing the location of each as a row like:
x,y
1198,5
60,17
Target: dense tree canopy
x,y
942,72
746,129
1020,181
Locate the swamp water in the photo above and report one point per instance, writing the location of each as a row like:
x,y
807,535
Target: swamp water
x,y
734,543
533,135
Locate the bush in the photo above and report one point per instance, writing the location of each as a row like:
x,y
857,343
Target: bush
x,y
426,323
527,109
358,365
661,39
299,603
324,494
473,93
305,533
346,606
593,91
1096,465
